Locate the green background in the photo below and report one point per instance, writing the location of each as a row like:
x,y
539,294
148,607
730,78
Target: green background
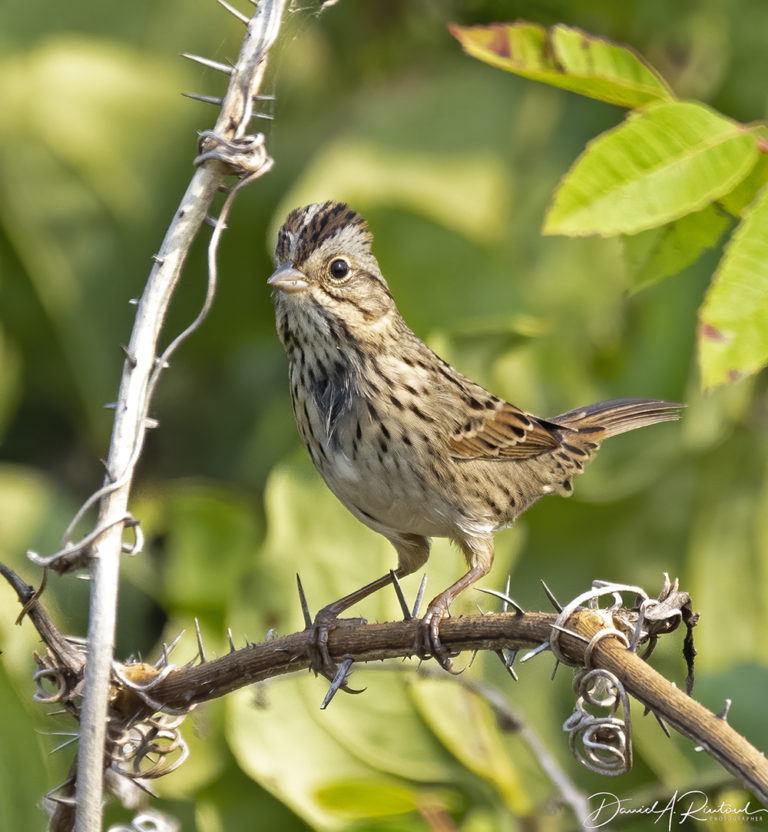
x,y
454,164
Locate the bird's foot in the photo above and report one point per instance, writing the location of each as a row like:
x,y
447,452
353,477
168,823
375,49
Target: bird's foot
x,y
317,644
428,639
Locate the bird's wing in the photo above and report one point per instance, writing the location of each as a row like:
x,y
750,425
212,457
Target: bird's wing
x,y
506,432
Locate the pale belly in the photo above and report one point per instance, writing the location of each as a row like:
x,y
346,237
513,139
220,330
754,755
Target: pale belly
x,y
393,476
387,496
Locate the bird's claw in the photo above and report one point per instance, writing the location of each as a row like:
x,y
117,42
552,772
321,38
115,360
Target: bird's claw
x,y
317,647
428,639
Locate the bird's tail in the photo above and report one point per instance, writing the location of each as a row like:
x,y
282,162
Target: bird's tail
x,y
617,416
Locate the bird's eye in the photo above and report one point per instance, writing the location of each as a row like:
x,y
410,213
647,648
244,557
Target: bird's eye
x,y
338,269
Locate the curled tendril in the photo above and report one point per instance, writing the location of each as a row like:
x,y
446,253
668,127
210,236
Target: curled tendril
x,y
605,741
148,749
149,820
53,676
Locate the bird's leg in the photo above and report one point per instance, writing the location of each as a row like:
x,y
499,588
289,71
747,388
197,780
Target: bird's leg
x,y
479,554
328,618
438,609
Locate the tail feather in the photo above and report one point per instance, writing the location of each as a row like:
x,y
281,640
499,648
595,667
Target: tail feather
x,y
618,415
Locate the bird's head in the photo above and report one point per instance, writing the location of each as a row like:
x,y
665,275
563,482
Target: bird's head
x,y
326,271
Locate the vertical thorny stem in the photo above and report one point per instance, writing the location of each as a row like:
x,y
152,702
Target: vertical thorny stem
x,y
140,373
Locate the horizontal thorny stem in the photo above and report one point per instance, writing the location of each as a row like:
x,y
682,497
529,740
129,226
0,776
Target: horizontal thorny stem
x,y
587,638
186,687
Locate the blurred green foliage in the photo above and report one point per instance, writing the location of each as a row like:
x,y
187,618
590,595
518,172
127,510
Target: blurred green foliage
x,y
454,163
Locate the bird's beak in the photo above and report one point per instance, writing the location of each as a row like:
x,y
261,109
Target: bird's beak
x,y
288,279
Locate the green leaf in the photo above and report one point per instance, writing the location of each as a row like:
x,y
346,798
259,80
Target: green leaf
x,y
467,726
660,252
10,379
368,798
433,184
24,764
89,102
287,751
662,163
567,58
301,754
733,321
745,192
194,519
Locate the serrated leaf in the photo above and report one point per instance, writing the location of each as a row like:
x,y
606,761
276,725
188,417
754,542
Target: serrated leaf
x,y
661,252
567,58
661,163
733,321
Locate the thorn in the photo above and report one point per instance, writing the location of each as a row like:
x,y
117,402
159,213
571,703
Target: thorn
x,y
263,97
199,59
662,724
419,596
64,744
172,646
570,633
110,405
216,100
224,189
507,662
270,634
159,260
151,424
551,595
231,640
724,712
163,660
129,356
135,301
212,221
542,648
232,10
511,656
267,116
338,681
400,597
144,786
67,801
505,603
554,670
505,598
200,649
304,605
474,656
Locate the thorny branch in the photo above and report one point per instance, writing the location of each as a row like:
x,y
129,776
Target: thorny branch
x,y
130,714
590,638
226,150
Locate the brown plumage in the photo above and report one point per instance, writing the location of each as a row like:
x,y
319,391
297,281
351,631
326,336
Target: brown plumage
x,y
410,446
